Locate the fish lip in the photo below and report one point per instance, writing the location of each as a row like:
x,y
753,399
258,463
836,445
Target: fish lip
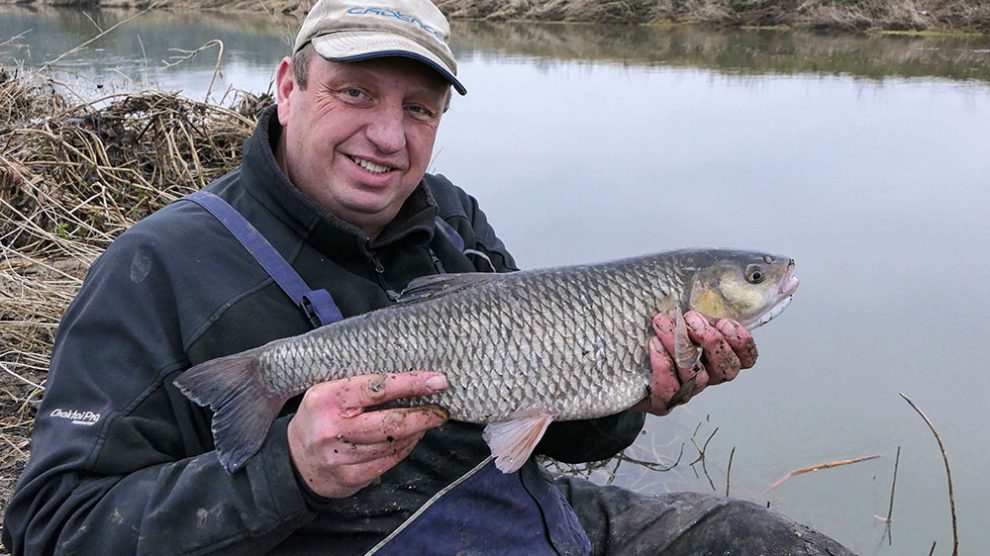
x,y
789,283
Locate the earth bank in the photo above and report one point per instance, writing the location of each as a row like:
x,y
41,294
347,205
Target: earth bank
x,y
856,15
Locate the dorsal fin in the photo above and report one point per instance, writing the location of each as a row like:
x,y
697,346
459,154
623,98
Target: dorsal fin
x,y
426,287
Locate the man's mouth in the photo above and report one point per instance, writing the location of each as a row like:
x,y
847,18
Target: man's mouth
x,y
371,166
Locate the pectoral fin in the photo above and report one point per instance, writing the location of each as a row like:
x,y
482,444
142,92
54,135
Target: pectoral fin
x,y
683,394
513,441
686,353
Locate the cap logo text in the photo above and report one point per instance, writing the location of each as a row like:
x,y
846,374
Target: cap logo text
x,y
384,12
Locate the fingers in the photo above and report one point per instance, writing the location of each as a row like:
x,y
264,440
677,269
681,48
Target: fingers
x,y
351,478
387,425
670,386
740,340
664,383
354,394
339,446
346,452
664,328
720,360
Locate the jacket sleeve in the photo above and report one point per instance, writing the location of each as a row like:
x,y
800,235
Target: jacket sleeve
x,y
121,462
568,441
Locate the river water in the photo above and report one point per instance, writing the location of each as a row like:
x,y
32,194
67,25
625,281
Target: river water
x,y
867,159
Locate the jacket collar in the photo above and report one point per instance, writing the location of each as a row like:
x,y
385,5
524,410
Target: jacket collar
x,y
264,180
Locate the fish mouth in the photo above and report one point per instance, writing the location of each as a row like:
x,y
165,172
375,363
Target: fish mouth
x,y
789,283
785,293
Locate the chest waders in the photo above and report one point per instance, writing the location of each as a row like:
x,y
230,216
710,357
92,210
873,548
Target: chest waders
x,y
484,511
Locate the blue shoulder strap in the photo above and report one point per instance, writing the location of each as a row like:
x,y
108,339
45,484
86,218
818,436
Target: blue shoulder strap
x,y
451,233
318,305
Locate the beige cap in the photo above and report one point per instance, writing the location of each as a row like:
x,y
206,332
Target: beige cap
x,y
350,31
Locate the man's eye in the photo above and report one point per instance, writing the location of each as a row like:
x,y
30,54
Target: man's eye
x,y
353,93
419,111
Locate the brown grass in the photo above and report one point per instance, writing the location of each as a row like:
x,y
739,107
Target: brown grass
x,y
73,175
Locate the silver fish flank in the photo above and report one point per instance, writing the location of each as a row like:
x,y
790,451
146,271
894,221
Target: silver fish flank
x,y
519,350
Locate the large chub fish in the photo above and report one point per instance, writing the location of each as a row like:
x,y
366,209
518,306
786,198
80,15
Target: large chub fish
x,y
519,350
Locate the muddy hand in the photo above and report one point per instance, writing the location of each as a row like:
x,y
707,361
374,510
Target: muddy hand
x,y
339,447
726,349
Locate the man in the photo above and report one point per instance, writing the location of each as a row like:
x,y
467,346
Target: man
x,y
334,180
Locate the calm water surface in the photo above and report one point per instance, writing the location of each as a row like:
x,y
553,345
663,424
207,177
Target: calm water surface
x,y
865,159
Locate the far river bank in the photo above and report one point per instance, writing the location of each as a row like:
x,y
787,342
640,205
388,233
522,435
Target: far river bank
x,y
910,16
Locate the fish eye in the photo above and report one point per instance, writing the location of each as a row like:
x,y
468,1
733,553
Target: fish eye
x,y
755,274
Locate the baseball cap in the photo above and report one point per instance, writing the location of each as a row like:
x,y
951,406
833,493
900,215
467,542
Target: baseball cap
x,y
351,31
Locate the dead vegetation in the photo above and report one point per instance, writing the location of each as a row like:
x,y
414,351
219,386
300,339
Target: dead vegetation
x,y
858,15
72,177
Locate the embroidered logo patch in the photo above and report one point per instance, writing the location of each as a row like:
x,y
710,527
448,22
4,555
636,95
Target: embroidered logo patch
x,y
86,418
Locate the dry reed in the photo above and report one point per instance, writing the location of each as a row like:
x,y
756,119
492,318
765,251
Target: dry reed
x,y
73,176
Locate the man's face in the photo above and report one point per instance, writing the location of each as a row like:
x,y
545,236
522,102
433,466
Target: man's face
x,y
358,139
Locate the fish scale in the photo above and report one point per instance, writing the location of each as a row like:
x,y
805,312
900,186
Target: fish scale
x,y
523,348
535,346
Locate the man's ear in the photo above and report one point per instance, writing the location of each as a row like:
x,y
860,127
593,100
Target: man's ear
x,y
285,84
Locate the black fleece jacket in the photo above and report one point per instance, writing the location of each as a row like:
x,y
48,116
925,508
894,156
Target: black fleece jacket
x,y
122,462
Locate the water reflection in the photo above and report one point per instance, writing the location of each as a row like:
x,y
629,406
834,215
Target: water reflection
x,y
138,48
758,52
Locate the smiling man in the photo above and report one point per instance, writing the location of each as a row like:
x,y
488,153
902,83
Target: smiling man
x,y
329,215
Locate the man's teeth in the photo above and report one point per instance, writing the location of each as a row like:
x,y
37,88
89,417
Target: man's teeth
x,y
370,166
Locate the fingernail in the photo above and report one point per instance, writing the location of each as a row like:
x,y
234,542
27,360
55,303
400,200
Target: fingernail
x,y
727,329
437,383
656,345
694,321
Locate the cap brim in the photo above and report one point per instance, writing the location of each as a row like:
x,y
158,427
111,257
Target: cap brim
x,y
356,46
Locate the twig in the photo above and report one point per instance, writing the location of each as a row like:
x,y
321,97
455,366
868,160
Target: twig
x,y
818,467
890,508
728,472
19,377
948,474
95,24
189,54
49,63
15,37
12,445
653,466
701,455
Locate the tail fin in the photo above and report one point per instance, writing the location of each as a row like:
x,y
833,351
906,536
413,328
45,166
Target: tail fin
x,y
243,408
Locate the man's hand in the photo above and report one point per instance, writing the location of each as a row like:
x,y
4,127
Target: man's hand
x,y
727,348
339,448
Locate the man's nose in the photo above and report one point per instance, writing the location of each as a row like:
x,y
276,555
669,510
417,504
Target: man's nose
x,y
386,130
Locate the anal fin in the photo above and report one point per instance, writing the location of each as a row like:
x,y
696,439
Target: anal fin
x,y
513,441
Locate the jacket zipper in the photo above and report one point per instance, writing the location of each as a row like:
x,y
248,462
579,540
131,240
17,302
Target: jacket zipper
x,y
437,263
380,271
